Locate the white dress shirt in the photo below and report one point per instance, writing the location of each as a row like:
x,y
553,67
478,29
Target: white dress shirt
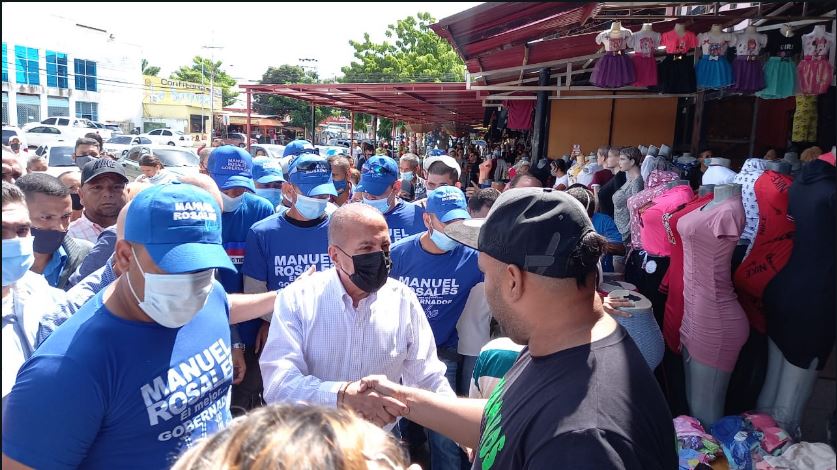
x,y
317,341
85,229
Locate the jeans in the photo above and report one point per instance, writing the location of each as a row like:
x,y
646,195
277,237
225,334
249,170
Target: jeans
x,y
466,373
444,453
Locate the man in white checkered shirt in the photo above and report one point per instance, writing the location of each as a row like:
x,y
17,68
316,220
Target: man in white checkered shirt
x,y
335,327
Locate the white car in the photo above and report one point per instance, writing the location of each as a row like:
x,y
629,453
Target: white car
x,y
51,135
59,158
177,160
12,131
119,145
169,137
80,126
272,150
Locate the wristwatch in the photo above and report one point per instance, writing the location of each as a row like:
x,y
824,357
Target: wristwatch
x,y
238,346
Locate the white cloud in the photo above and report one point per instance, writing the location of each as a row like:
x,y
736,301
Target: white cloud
x,y
253,35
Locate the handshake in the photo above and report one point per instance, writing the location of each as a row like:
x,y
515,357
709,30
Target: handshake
x,y
375,398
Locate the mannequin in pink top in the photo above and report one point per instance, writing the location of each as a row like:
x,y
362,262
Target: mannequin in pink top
x,y
714,325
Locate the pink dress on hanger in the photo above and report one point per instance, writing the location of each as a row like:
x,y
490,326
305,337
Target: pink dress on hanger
x,y
714,325
814,69
644,44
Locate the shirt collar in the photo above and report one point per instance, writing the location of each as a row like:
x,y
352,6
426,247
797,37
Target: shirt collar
x,y
345,298
91,223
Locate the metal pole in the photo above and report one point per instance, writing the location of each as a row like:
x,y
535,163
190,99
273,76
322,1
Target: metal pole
x,y
697,123
212,104
753,126
352,136
313,124
249,107
541,124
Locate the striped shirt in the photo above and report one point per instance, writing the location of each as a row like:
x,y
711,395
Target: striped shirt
x,y
84,229
318,340
495,359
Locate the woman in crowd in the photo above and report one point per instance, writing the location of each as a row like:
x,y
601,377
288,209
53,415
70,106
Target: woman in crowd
x,y
559,171
153,171
280,437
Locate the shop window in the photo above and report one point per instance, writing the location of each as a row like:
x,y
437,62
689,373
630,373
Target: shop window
x,y
28,109
85,71
26,66
5,108
87,110
5,65
56,66
58,106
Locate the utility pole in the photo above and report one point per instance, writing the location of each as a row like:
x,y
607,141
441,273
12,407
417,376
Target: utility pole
x,y
211,89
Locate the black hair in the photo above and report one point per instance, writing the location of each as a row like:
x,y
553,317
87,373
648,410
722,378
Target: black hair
x,y
484,198
42,183
85,141
632,153
584,259
97,138
520,176
11,193
584,196
150,160
441,169
560,164
367,146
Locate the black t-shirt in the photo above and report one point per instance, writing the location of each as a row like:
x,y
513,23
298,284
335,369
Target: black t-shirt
x,y
595,406
780,45
605,205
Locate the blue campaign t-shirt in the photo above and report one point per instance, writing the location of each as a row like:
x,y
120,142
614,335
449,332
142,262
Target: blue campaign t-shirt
x,y
442,283
604,225
234,227
278,251
105,392
403,220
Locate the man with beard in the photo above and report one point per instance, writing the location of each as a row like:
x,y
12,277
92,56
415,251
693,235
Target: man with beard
x,y
102,194
538,245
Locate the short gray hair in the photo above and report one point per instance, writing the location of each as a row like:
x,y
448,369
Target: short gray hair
x,y
410,158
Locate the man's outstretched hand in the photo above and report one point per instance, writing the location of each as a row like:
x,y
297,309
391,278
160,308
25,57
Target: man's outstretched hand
x,y
373,405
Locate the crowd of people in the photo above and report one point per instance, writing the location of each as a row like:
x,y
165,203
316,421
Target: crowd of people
x,y
326,312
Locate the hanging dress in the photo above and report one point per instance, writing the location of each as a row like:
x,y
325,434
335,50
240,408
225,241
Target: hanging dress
x,y
614,69
644,44
747,67
677,70
713,71
780,69
814,69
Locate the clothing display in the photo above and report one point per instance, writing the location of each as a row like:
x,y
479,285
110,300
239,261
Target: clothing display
x,y
652,230
520,114
747,66
641,326
771,248
750,172
815,71
805,119
654,187
620,205
614,69
718,174
673,282
694,444
714,325
677,71
799,302
713,71
780,69
644,44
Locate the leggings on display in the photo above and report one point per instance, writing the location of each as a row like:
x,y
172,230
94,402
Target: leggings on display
x,y
786,390
648,284
706,390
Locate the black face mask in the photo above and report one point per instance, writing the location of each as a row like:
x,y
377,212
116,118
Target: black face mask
x,y
76,202
47,241
15,147
371,270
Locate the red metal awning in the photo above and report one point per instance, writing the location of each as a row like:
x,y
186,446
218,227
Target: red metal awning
x,y
415,103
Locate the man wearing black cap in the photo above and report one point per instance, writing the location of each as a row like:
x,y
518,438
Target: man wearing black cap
x,y
580,395
102,194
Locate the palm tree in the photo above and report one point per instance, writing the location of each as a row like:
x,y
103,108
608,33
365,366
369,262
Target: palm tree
x,y
149,70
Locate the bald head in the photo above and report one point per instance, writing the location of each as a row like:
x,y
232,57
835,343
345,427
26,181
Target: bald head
x,y
525,180
206,183
345,223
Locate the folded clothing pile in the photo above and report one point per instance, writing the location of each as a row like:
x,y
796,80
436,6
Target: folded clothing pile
x,y
694,445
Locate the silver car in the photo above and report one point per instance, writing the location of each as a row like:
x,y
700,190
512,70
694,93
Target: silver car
x,y
178,160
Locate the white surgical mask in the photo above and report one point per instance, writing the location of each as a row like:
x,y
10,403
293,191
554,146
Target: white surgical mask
x,y
231,203
381,204
172,300
310,207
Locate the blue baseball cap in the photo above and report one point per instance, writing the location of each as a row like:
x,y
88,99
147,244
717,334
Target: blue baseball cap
x,y
298,147
378,174
185,235
436,152
267,170
231,167
312,174
447,203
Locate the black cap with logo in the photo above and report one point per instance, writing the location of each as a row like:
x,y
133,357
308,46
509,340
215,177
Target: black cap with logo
x,y
536,229
101,166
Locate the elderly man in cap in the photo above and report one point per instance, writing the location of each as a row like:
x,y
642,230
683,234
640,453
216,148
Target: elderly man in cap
x,y
231,168
283,246
102,193
144,368
538,245
380,186
449,285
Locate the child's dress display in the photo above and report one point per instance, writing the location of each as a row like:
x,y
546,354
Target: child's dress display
x,y
644,43
747,67
713,70
814,69
614,69
677,70
780,69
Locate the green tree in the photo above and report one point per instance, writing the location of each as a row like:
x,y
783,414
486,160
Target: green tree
x,y
204,70
417,54
300,111
151,70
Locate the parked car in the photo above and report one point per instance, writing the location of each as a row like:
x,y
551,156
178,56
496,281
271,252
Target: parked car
x,y
340,142
168,137
59,158
113,128
272,150
12,131
177,160
236,138
79,126
120,144
50,135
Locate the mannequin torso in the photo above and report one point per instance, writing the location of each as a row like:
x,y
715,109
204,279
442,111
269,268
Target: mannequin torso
x,y
817,43
705,189
679,40
750,42
723,192
779,167
714,42
615,39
